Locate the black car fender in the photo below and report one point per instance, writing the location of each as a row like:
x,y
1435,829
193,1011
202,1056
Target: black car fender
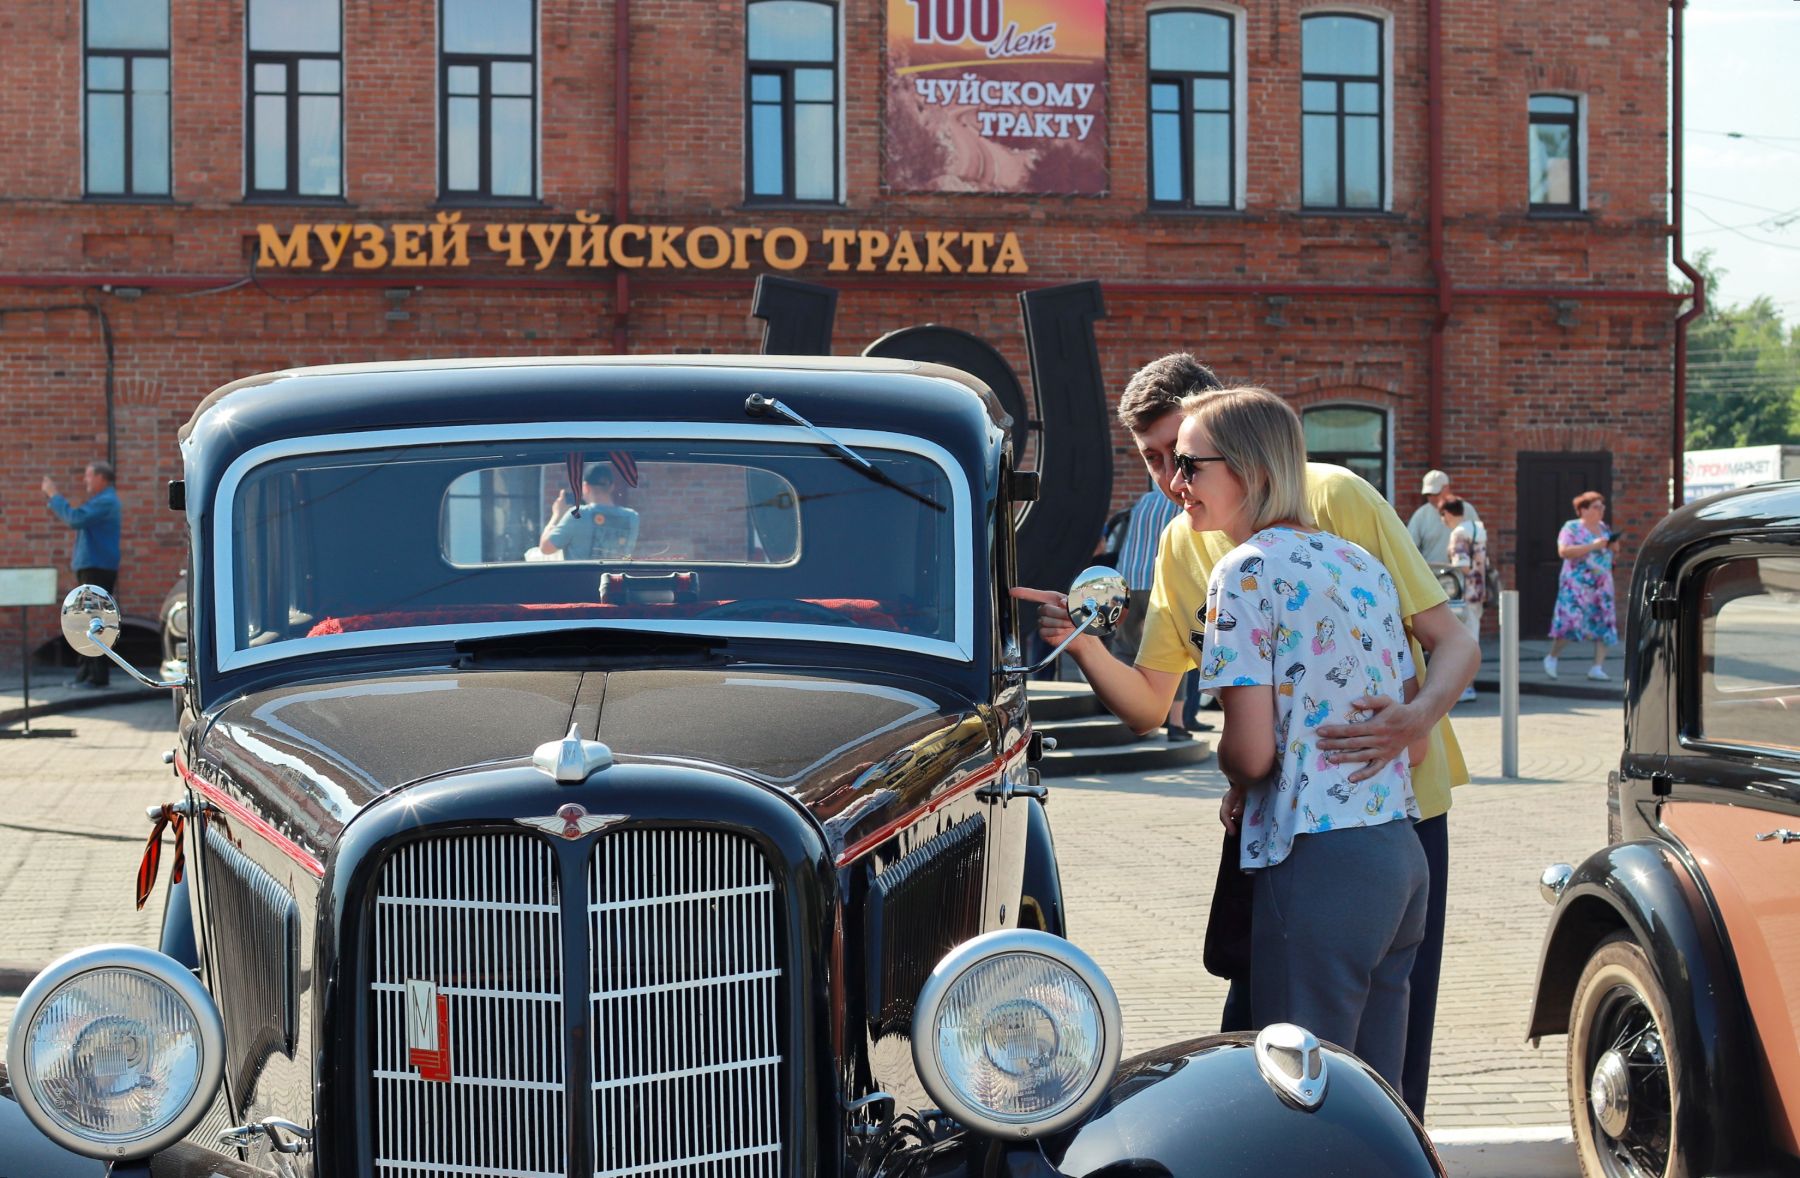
x,y
1203,1107
178,939
27,1153
1643,888
1041,897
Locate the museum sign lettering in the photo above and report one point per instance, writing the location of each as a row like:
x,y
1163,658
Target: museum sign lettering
x,y
588,243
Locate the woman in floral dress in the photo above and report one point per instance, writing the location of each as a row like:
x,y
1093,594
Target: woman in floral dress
x,y
1584,592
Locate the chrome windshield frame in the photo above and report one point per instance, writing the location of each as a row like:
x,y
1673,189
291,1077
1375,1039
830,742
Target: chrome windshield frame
x,y
228,658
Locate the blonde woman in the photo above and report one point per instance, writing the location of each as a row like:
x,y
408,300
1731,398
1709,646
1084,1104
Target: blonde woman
x,y
1299,624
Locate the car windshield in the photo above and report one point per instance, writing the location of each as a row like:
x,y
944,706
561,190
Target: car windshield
x,y
732,538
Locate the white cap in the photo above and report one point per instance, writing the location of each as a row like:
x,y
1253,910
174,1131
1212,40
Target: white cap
x,y
1435,481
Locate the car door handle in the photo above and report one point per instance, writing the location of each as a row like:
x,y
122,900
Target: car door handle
x,y
1779,835
1005,791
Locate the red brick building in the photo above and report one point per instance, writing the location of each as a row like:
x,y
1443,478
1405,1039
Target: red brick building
x,y
1275,198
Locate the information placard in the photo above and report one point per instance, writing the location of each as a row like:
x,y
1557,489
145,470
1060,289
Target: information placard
x,y
28,587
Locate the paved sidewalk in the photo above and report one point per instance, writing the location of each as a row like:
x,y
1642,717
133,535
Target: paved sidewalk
x,y
1138,852
1572,669
72,829
54,692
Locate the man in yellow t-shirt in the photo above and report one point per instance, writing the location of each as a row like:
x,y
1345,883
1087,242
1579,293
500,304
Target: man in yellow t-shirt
x,y
1345,505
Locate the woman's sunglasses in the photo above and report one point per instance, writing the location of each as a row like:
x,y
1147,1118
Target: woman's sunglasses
x,y
1188,463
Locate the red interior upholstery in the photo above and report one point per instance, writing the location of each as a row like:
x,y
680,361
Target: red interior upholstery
x,y
863,611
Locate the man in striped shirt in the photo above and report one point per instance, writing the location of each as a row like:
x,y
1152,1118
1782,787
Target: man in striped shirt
x,y
1137,562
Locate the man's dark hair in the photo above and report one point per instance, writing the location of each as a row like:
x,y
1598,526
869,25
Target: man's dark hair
x,y
598,474
104,470
1452,507
1157,388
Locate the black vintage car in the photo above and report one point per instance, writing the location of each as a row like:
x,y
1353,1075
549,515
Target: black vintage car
x,y
613,768
1672,960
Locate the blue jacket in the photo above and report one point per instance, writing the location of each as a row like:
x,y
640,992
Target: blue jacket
x,y
96,525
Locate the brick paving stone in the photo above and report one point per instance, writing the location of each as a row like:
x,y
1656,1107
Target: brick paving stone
x,y
72,829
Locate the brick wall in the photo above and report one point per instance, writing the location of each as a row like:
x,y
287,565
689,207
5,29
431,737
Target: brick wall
x,y
1520,372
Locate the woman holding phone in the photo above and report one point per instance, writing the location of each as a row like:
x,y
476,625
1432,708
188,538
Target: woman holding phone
x,y
1584,591
1298,625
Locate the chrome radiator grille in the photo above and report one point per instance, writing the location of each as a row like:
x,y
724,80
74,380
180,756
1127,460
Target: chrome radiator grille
x,y
684,984
480,917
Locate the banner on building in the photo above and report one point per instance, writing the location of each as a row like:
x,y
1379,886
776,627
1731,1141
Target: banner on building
x,y
996,96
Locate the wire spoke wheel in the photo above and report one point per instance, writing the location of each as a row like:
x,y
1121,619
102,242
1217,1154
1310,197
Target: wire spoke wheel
x,y
1622,1068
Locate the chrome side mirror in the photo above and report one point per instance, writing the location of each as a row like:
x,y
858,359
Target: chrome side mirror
x,y
90,624
1097,602
90,620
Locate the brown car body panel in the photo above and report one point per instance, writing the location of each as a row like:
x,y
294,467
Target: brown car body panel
x,y
1756,886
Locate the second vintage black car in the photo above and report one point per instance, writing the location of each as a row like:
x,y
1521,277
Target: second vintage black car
x,y
591,769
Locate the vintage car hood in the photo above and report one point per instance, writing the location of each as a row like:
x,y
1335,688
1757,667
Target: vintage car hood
x,y
812,734
333,748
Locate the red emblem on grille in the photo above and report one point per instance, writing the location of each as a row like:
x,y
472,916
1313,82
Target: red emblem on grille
x,y
428,1031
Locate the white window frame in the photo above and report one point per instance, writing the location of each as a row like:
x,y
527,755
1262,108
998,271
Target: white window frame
x,y
438,108
1240,89
1387,433
1386,17
840,67
1581,148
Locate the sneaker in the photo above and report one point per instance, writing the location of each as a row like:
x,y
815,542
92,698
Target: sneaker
x,y
1598,672
1550,665
1175,734
1467,695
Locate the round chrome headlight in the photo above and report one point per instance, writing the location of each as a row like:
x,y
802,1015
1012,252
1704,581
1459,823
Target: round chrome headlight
x,y
1016,1033
115,1051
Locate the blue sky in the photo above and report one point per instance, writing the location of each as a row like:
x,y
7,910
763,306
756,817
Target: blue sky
x,y
1743,193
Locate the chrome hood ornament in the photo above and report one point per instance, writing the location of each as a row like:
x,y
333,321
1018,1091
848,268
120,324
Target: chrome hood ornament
x,y
1289,1058
572,760
572,821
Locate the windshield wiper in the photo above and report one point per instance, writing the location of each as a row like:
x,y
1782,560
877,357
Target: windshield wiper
x,y
757,405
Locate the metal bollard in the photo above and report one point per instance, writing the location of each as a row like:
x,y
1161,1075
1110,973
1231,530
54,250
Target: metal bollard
x,y
1509,682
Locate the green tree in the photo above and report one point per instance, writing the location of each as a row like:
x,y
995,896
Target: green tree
x,y
1743,372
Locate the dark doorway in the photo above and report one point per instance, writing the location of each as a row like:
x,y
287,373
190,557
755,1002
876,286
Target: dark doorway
x,y
1548,484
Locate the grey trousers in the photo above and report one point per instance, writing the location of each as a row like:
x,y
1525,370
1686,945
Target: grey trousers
x,y
1334,930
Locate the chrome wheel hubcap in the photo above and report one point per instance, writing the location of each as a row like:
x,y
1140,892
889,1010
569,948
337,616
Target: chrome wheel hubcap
x,y
1609,1093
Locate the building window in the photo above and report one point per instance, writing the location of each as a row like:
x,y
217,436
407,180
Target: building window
x,y
1555,153
1193,158
791,101
487,86
126,82
1351,436
295,140
1342,138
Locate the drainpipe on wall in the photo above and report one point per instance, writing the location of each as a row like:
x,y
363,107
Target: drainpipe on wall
x,y
1440,271
621,164
1677,490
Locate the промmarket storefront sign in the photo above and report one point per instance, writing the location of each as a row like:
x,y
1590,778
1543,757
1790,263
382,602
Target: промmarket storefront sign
x,y
587,243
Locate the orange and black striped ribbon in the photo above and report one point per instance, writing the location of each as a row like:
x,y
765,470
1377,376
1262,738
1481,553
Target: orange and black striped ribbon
x,y
174,821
